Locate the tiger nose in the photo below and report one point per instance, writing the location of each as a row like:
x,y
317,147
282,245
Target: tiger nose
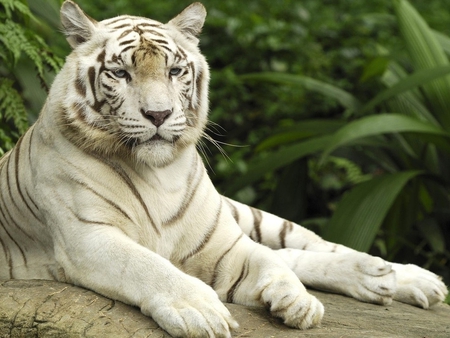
x,y
156,117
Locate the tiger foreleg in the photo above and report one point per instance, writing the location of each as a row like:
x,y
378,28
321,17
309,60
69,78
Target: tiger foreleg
x,y
181,304
355,274
265,280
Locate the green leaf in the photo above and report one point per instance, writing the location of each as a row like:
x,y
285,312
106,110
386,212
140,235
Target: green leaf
x,y
419,78
426,53
280,158
11,105
344,98
444,41
360,213
409,102
299,131
382,124
375,68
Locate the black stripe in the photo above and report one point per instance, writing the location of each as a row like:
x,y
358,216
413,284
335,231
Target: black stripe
x,y
146,24
87,221
91,76
190,193
126,48
166,48
125,34
121,26
244,273
3,215
109,88
287,227
7,255
207,236
111,203
17,178
164,42
11,197
216,267
198,85
152,31
257,218
126,42
113,21
97,106
126,179
80,86
234,210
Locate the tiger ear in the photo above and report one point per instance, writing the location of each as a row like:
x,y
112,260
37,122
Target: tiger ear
x,y
190,21
78,27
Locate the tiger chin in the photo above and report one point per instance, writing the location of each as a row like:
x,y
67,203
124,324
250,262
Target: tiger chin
x,y
107,191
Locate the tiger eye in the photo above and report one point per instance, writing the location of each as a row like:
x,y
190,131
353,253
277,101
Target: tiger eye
x,y
120,73
175,71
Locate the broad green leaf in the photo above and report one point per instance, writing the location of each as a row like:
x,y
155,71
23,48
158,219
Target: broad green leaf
x,y
419,78
344,98
298,131
444,40
410,102
382,124
276,160
360,213
426,53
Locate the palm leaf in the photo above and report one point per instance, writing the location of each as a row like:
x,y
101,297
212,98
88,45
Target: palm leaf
x,y
302,130
444,41
386,123
420,78
409,102
344,98
426,53
361,211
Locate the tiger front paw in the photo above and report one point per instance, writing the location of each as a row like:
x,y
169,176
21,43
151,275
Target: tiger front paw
x,y
193,310
368,278
418,287
288,299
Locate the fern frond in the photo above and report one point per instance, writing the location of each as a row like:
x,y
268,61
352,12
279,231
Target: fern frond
x,y
12,36
15,5
11,106
17,40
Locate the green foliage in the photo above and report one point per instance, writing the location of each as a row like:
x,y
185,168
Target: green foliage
x,y
402,139
18,40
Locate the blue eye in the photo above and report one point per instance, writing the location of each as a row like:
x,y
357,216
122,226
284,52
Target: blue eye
x,y
120,73
175,71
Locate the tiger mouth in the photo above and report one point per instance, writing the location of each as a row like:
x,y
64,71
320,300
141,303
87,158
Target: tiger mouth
x,y
156,137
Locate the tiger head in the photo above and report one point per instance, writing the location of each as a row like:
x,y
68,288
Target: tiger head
x,y
133,86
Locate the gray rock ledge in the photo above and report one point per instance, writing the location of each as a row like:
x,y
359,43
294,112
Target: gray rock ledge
x,y
36,308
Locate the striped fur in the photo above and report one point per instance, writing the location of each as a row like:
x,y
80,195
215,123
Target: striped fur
x,y
107,191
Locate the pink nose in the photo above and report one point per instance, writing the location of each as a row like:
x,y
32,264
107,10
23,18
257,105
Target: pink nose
x,y
157,117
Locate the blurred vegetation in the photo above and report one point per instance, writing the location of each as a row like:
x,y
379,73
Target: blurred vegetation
x,y
23,54
337,112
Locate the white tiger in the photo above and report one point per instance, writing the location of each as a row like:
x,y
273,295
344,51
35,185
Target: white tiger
x,y
107,191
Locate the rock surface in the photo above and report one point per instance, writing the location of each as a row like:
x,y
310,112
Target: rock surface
x,y
49,309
